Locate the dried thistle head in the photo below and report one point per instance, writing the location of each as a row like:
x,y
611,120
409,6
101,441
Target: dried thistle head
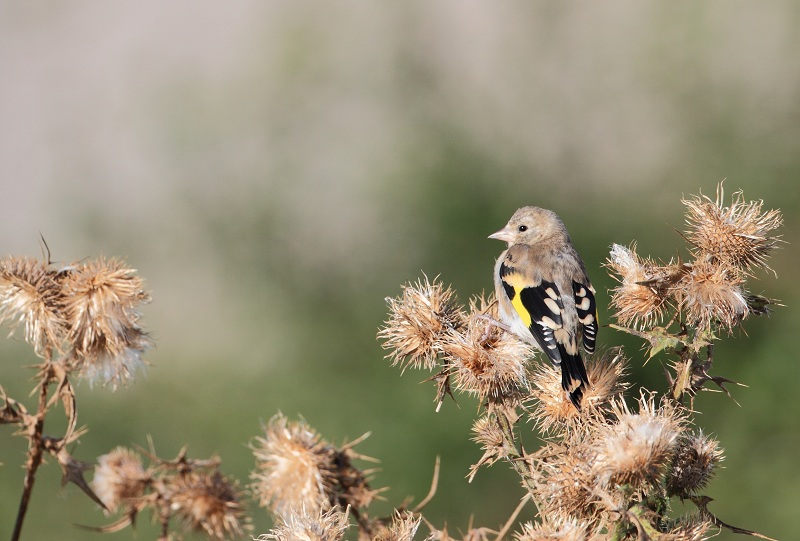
x,y
30,294
693,464
418,319
712,295
293,468
737,236
208,502
642,297
296,468
484,306
101,301
304,525
565,484
637,447
554,413
487,362
558,530
120,478
691,528
486,433
403,527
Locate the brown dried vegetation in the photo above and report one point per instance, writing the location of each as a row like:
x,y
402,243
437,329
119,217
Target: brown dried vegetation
x,y
609,471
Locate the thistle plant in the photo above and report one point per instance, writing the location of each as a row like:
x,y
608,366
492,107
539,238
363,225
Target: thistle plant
x,y
681,307
613,469
193,492
82,321
609,471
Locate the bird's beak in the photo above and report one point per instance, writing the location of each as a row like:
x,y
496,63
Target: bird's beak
x,y
504,234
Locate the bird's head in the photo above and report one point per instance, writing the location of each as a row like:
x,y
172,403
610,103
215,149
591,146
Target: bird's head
x,y
530,225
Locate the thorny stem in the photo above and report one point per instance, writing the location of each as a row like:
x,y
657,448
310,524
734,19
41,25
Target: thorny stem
x,y
35,450
512,453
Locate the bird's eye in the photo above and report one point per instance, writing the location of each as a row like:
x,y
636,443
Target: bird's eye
x,y
522,228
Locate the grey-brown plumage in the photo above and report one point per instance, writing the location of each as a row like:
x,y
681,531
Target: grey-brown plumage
x,y
544,294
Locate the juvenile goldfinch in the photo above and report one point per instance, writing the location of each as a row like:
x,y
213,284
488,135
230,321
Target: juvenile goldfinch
x,y
544,294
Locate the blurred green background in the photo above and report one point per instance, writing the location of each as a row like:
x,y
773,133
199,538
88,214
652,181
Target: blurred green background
x,y
276,169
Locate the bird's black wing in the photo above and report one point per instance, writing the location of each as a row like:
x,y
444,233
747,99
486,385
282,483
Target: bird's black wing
x,y
587,313
540,307
543,305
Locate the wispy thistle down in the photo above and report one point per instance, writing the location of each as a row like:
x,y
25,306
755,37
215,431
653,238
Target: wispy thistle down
x,y
120,478
293,468
636,448
31,295
297,469
402,527
84,316
309,525
101,302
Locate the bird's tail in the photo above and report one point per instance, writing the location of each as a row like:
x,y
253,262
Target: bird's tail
x,y
573,378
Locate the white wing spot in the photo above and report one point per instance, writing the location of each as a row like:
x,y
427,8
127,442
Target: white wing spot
x,y
551,293
588,320
585,304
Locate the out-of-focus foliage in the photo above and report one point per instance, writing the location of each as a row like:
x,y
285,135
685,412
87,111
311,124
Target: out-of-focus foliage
x,y
274,170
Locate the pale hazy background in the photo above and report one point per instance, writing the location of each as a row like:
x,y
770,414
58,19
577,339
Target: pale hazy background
x,y
275,169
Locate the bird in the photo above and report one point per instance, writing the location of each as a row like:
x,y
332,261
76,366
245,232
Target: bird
x,y
544,294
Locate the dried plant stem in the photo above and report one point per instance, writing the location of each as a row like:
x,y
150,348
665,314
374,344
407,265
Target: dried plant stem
x,y
512,453
510,522
434,485
35,450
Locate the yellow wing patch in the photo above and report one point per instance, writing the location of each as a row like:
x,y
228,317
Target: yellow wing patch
x,y
517,282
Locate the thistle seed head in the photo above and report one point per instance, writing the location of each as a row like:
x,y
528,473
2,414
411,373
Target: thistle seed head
x,y
737,236
642,297
208,502
636,449
305,525
418,319
693,464
31,295
120,478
